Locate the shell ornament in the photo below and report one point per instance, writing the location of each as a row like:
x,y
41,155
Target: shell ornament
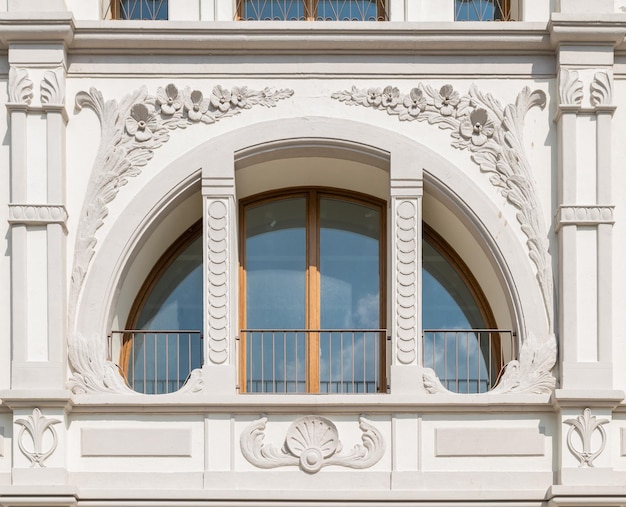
x,y
311,442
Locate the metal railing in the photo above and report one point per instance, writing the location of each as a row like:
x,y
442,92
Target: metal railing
x,y
320,10
482,10
468,360
158,361
349,360
136,9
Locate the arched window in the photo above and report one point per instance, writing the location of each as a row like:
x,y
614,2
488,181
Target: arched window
x,y
312,304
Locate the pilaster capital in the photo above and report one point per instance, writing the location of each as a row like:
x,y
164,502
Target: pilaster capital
x,y
588,215
37,214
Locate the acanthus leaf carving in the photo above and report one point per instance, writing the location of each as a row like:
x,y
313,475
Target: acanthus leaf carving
x,y
20,86
311,442
585,425
52,89
131,131
570,88
602,88
37,425
493,134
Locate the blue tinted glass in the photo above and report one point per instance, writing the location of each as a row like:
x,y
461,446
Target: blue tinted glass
x,y
273,10
144,9
351,10
477,10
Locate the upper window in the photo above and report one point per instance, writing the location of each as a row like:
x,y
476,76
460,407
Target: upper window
x,y
139,9
311,10
311,293
482,10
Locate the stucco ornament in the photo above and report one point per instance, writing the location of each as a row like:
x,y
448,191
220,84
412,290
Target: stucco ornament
x,y
602,88
52,89
20,86
131,130
570,88
312,443
493,134
585,425
37,425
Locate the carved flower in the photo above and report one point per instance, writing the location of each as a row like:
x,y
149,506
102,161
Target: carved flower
x,y
447,101
390,97
169,99
374,97
196,105
141,123
239,97
479,128
415,102
220,98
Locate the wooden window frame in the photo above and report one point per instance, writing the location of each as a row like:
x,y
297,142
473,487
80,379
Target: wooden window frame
x,y
312,276
310,10
116,10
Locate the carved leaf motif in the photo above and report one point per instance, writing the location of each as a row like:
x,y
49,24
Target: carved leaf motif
x,y
131,131
313,443
570,88
20,86
585,425
36,425
602,88
52,89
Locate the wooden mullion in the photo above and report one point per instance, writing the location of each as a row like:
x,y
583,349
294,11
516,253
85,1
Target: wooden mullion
x,y
313,294
310,10
243,360
381,12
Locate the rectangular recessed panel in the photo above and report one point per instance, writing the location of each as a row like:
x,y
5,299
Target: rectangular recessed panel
x,y
489,442
135,442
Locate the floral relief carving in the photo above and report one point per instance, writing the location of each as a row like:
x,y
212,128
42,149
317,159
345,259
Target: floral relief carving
x,y
585,425
407,279
312,443
20,86
217,279
52,89
584,215
131,130
602,88
570,88
37,425
493,134
35,214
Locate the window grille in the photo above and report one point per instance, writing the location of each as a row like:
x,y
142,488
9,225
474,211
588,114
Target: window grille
x,y
482,10
137,9
311,10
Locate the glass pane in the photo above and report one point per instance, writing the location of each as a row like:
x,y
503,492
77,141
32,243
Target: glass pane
x,y
458,358
347,10
161,362
349,295
479,10
275,295
277,10
143,9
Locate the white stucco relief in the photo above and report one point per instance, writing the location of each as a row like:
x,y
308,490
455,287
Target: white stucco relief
x,y
130,132
602,88
20,86
52,89
311,442
37,425
494,135
570,88
586,425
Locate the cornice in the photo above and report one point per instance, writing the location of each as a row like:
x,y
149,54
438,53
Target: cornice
x,y
278,37
596,29
46,27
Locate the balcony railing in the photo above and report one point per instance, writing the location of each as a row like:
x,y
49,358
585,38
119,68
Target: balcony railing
x,y
277,360
159,361
468,361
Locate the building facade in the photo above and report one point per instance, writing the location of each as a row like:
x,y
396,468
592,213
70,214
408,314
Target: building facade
x,y
312,253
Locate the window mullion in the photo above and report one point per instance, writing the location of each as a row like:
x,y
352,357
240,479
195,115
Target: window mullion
x,y
313,293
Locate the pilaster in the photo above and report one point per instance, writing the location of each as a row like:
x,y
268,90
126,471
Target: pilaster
x,y
37,215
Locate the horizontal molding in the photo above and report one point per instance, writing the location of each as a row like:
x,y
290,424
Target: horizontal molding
x,y
37,214
135,442
584,215
489,442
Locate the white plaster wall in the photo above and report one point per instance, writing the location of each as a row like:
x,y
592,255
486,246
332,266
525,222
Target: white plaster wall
x,y
5,237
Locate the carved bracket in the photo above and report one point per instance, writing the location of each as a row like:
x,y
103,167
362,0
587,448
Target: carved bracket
x,y
131,131
585,425
312,443
37,425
